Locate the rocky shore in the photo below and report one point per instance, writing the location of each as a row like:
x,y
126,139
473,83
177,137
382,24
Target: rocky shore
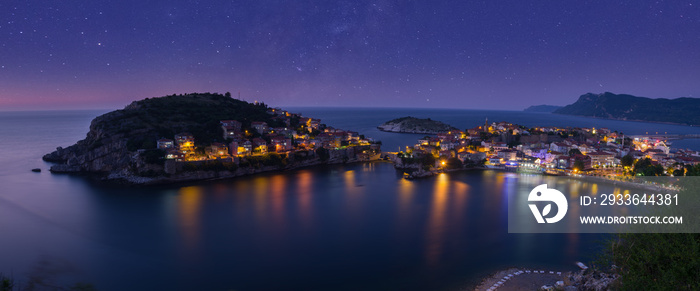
x,y
534,279
182,172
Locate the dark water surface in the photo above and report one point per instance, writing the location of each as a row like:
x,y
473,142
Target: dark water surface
x,y
343,227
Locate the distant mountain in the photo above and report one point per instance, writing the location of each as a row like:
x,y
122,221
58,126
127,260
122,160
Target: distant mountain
x,y
627,107
542,108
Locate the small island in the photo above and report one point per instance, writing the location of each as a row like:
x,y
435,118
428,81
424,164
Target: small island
x,y
202,136
411,124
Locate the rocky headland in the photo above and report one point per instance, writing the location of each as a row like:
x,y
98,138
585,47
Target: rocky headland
x,y
627,107
121,146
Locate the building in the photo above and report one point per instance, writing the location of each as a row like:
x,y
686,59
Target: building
x,y
185,142
586,160
602,159
507,155
247,146
281,143
236,147
174,154
216,150
165,144
259,145
260,126
231,128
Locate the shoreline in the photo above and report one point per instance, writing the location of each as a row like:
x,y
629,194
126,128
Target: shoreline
x,y
514,279
187,178
522,279
632,120
650,187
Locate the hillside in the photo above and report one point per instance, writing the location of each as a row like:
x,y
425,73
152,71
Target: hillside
x,y
415,125
627,107
122,144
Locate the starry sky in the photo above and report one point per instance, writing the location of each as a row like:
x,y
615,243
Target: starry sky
x,y
438,54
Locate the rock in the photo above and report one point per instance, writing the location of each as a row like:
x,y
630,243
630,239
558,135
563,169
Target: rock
x,y
36,170
63,168
420,173
593,280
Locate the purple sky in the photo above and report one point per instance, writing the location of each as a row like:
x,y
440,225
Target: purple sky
x,y
456,54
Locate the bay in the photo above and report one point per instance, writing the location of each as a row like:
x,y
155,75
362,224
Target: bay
x,y
338,227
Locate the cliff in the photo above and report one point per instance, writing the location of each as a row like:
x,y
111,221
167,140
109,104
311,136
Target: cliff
x,y
415,125
628,107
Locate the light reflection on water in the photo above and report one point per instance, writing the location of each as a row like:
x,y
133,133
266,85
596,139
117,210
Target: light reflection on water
x,y
189,207
345,226
352,208
304,194
437,220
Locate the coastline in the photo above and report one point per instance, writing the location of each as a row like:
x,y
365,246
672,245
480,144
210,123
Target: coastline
x,y
514,279
651,187
624,119
521,279
186,177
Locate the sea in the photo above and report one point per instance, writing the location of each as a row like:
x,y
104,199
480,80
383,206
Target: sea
x,y
337,227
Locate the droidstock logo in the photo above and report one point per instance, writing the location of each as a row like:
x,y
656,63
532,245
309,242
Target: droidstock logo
x,y
542,194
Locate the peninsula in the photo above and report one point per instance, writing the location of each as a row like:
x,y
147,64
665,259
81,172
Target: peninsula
x,y
627,107
202,136
566,151
411,124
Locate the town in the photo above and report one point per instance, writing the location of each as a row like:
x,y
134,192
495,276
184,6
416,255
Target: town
x,y
301,135
550,150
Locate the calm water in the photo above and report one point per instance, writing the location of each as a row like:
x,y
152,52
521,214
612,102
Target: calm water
x,y
344,227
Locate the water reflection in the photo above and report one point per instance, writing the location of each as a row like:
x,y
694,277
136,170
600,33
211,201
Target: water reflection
x,y
437,220
260,190
278,187
189,207
304,191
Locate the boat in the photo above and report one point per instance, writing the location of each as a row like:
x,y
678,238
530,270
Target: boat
x,y
582,266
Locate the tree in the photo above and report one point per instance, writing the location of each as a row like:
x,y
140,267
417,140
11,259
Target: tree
x,y
573,152
655,261
627,161
6,283
579,165
453,163
645,167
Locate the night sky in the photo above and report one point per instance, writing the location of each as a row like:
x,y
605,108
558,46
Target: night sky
x,y
456,54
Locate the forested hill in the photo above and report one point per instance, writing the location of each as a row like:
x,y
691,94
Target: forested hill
x,y
627,107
